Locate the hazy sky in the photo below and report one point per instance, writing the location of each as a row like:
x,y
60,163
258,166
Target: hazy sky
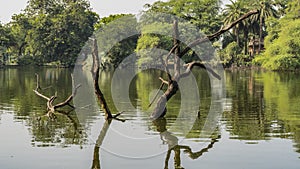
x,y
102,7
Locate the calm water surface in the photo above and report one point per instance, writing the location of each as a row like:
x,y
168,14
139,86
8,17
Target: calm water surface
x,y
259,127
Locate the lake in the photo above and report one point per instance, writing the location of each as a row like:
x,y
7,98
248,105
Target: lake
x,y
257,127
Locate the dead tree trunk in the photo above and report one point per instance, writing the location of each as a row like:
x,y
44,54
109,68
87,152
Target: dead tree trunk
x,y
172,82
95,73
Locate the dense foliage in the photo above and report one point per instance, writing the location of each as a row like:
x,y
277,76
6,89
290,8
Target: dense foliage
x,y
250,30
204,14
51,31
197,18
283,43
54,31
117,35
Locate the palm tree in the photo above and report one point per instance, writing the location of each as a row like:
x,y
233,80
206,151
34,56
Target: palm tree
x,y
232,12
267,8
246,24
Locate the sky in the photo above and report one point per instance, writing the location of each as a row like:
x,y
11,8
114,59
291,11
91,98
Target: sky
x,y
102,7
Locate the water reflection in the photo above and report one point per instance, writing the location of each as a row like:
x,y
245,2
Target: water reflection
x,y
167,138
259,106
17,97
172,142
264,105
65,129
96,155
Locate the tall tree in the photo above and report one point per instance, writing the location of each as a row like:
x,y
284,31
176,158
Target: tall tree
x,y
20,25
107,32
267,8
54,31
282,43
7,40
232,12
204,14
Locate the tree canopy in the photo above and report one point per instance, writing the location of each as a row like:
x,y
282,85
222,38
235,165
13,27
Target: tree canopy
x,y
196,18
282,43
52,31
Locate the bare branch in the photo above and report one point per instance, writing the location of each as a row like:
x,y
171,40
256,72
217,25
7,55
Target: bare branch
x,y
161,86
176,42
41,95
201,65
37,82
38,87
169,54
166,68
69,99
164,81
52,98
118,114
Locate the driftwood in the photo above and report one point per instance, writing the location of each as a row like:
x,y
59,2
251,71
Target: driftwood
x,y
50,100
95,72
172,82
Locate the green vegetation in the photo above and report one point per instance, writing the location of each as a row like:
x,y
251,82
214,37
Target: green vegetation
x,y
204,14
250,33
283,44
53,32
158,18
50,32
115,45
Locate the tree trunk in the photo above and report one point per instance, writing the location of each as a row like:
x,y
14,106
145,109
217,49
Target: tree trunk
x,y
237,36
246,41
260,34
95,73
160,109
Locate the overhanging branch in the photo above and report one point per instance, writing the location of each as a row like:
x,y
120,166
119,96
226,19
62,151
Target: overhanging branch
x,y
201,65
218,33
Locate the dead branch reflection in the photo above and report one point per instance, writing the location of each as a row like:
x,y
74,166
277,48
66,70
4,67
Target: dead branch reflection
x,y
63,128
96,156
167,138
172,142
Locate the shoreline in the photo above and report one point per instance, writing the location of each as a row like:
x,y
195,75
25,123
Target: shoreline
x,y
233,68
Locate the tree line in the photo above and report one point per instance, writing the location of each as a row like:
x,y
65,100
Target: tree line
x,y
53,32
